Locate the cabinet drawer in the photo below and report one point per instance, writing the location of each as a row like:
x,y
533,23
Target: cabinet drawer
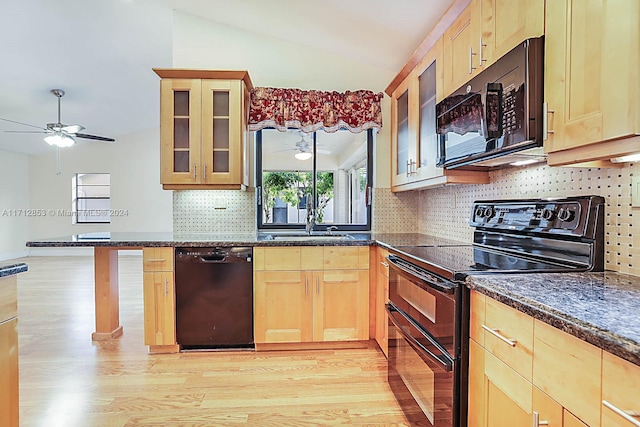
x,y
346,257
8,298
157,259
569,370
277,258
620,390
508,334
477,317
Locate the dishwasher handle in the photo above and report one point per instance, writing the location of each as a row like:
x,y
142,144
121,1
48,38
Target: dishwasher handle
x,y
221,257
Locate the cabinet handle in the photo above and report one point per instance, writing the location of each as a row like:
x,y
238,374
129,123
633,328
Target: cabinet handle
x,y
204,175
471,54
195,171
481,61
496,333
545,120
306,286
627,415
384,264
318,285
536,420
156,260
408,168
166,286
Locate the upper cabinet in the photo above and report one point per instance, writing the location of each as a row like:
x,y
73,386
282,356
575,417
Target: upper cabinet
x,y
414,142
203,129
485,31
591,80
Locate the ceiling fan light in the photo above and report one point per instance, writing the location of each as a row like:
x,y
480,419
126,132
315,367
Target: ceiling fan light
x,y
303,155
59,140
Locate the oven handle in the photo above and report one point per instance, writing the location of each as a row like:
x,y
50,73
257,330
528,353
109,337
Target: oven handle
x,y
432,283
447,364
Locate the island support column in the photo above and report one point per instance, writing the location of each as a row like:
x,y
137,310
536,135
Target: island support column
x,y
105,261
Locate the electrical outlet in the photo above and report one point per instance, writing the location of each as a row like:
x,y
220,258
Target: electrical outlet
x,y
635,192
220,203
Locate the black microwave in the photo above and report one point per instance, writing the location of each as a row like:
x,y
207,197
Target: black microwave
x,y
496,118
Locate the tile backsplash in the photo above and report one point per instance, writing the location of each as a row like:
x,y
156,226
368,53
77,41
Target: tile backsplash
x,y
444,212
214,211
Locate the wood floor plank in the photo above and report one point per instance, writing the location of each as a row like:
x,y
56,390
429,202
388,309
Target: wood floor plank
x,y
68,380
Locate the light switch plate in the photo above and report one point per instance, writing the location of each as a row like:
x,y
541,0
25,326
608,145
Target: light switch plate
x,y
635,192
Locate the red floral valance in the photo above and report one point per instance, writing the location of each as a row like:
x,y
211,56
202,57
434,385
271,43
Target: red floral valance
x,y
311,110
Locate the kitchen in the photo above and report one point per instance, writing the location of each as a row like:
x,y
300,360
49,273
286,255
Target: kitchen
x,y
439,211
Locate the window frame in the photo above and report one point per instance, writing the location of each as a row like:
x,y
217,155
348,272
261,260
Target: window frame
x,y
76,198
318,227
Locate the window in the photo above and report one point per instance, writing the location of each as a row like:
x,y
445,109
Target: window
x,y
334,182
91,198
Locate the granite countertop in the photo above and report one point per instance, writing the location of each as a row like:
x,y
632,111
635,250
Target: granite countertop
x,y
600,308
12,268
164,239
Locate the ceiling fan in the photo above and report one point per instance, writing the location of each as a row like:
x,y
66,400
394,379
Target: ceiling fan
x,y
304,148
59,134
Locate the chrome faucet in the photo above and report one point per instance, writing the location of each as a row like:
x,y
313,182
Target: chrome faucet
x,y
330,229
311,221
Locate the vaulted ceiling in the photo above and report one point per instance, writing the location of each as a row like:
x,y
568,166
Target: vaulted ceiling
x,y
101,52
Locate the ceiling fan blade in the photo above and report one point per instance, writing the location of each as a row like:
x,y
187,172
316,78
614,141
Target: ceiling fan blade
x,y
73,128
26,131
97,138
20,123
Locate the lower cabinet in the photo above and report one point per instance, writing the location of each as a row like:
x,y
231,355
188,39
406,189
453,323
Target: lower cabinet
x,y
300,298
9,373
159,300
620,391
381,270
9,387
554,380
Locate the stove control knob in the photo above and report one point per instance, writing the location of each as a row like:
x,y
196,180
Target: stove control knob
x,y
566,215
480,212
489,212
548,214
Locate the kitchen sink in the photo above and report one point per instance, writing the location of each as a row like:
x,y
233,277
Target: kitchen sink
x,y
307,237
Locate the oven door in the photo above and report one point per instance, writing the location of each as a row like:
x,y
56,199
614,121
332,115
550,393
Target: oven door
x,y
422,363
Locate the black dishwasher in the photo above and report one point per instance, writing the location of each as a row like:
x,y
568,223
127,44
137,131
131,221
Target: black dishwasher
x,y
214,298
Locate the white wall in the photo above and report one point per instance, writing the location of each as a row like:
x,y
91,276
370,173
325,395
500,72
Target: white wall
x,y
134,164
199,43
14,199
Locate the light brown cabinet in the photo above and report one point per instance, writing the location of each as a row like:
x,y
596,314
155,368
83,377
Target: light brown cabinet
x,y
382,297
485,31
592,57
620,391
311,294
203,129
159,300
523,370
9,387
414,142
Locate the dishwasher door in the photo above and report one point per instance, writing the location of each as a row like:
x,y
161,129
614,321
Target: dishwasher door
x,y
214,297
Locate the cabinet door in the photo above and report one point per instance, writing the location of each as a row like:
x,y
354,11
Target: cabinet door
x,y
341,305
505,23
546,409
591,61
382,297
403,132
461,41
476,411
180,115
508,396
429,76
159,308
569,370
620,390
9,408
283,303
222,131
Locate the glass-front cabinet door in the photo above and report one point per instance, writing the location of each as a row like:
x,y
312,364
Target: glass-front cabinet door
x,y
402,133
180,101
221,131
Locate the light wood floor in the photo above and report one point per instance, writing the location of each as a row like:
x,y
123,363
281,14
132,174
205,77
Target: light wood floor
x,y
68,380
